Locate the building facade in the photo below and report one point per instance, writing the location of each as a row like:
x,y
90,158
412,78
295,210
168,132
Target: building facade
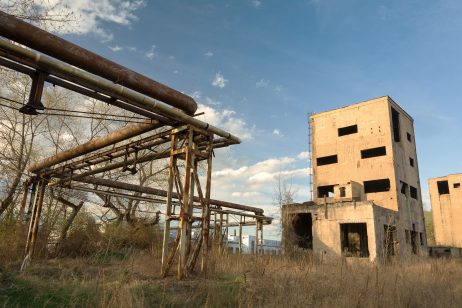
x,y
366,187
446,202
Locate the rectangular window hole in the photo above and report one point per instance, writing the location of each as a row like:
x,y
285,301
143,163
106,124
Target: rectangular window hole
x,y
326,160
354,240
456,185
443,187
374,152
347,130
376,186
404,188
325,191
409,137
413,192
395,123
411,161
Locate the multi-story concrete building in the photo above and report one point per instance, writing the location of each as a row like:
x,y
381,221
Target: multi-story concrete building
x,y
446,202
367,197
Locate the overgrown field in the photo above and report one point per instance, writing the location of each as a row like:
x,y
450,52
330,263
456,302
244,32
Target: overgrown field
x,y
130,278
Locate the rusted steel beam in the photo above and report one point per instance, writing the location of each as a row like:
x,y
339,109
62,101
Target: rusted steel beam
x,y
54,46
124,133
163,193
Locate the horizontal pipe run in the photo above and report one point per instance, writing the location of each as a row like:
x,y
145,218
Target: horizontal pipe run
x,y
84,91
162,193
62,173
133,97
160,201
54,46
124,133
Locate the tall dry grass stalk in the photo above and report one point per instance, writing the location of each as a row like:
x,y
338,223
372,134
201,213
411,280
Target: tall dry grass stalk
x,y
236,281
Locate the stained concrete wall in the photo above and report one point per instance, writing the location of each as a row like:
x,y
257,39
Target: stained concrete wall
x,y
374,129
447,211
326,221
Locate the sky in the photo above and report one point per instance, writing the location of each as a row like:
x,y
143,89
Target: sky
x,y
257,68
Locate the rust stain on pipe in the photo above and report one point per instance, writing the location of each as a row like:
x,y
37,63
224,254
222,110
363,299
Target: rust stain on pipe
x,y
54,46
95,144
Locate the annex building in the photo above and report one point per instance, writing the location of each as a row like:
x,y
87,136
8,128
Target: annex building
x,y
446,202
366,189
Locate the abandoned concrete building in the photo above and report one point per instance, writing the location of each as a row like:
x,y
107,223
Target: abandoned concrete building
x,y
446,202
366,189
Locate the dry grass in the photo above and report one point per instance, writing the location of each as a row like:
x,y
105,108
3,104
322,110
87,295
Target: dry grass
x,y
131,279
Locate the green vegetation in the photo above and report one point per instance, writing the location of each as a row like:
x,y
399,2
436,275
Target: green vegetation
x,y
429,228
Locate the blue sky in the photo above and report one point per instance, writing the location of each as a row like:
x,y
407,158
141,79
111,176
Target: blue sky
x,y
258,68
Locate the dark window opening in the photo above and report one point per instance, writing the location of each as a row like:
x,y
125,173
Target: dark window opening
x,y
389,240
413,192
326,160
443,187
374,152
414,241
456,185
347,130
354,240
404,188
303,228
395,123
376,186
411,161
409,137
325,191
342,192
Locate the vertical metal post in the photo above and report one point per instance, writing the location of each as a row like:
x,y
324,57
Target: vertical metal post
x,y
240,236
34,223
262,252
206,220
171,177
221,230
227,229
31,201
184,214
256,239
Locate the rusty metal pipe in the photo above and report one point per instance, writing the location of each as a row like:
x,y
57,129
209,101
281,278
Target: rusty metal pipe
x,y
95,144
54,46
163,193
131,96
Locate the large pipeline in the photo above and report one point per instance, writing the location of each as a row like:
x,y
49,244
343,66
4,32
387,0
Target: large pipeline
x,y
163,193
95,144
56,47
138,99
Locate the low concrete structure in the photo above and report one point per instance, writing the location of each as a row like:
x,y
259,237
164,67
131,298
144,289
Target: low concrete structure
x,y
367,198
446,202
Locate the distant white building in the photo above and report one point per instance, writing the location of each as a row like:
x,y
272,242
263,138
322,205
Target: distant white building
x,y
270,247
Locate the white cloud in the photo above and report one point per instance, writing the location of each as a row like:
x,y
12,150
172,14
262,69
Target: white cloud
x,y
209,54
256,3
227,120
255,184
304,155
278,88
196,95
86,16
277,132
116,48
262,83
150,53
219,81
